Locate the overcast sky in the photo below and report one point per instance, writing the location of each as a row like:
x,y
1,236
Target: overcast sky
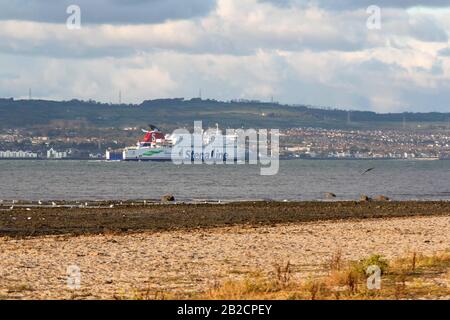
x,y
296,51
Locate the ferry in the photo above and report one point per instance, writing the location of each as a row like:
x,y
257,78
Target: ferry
x,y
156,146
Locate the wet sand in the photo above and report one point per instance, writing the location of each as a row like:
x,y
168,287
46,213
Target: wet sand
x,y
26,221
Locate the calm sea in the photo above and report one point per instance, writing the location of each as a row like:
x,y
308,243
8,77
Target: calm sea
x,y
296,180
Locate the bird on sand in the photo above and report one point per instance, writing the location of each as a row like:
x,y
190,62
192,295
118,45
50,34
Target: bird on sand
x,y
368,170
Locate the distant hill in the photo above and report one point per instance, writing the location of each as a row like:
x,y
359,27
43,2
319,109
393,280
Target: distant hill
x,y
171,113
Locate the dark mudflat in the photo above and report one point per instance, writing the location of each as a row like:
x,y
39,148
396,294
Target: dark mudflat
x,y
38,221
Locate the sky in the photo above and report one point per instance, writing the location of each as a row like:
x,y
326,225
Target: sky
x,y
337,53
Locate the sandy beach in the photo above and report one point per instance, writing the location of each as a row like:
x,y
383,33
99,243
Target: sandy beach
x,y
188,260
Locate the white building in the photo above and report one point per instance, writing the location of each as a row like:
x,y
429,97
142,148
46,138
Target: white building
x,y
53,154
18,155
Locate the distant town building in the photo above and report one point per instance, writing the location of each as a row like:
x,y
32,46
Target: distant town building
x,y
17,155
53,154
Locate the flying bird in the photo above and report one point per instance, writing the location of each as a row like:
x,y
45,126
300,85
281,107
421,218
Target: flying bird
x,y
368,170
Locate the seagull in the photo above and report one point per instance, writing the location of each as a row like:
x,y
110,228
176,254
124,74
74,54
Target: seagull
x,y
86,204
111,206
39,202
54,204
145,201
11,208
28,209
368,170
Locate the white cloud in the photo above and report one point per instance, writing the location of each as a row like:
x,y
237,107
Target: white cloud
x,y
298,53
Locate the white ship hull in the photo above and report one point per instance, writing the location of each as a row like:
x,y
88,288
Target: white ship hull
x,y
147,154
165,154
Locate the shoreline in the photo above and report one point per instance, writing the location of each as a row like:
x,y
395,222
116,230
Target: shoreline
x,y
28,221
281,158
105,203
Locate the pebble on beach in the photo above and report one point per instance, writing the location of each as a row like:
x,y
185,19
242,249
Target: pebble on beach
x,y
168,198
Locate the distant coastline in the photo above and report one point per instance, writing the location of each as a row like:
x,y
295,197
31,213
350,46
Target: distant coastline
x,y
281,158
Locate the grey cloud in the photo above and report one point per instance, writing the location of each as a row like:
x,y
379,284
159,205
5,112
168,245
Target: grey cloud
x,y
348,33
426,100
352,4
105,11
444,52
209,44
355,4
62,50
437,69
8,76
426,29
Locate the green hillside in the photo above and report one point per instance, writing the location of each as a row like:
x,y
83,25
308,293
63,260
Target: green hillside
x,y
171,113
